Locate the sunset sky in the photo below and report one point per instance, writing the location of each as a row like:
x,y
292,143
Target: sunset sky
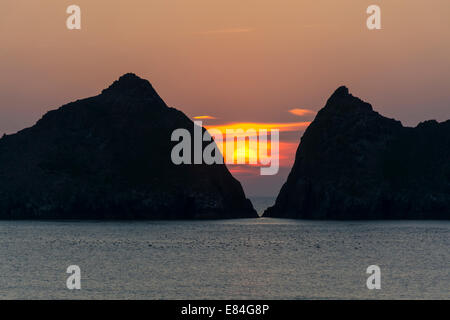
x,y
268,63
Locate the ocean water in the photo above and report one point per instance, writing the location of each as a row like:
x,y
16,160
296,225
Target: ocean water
x,y
237,259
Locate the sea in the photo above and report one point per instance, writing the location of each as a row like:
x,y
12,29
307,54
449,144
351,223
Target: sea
x,y
225,259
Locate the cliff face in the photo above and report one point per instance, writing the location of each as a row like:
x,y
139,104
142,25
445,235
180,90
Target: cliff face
x,y
353,163
108,157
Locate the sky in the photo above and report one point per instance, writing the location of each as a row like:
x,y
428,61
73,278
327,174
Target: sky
x,y
234,61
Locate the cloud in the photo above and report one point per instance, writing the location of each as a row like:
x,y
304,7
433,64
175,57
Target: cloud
x,y
301,112
228,30
282,126
204,117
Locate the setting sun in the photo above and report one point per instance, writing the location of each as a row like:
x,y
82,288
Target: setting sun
x,y
254,149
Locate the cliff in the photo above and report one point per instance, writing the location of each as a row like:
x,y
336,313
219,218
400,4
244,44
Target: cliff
x,y
108,157
353,163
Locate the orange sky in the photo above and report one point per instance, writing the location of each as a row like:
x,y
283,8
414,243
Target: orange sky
x,y
286,148
235,61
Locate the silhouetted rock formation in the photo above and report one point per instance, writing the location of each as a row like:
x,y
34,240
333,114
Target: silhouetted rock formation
x,y
108,157
353,163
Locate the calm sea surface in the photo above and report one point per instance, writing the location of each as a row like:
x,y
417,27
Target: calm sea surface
x,y
237,259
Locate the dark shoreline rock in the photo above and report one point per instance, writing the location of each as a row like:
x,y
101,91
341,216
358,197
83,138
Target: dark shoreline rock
x,y
353,163
108,157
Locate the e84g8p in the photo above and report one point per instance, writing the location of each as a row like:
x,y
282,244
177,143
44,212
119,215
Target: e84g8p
x,y
235,309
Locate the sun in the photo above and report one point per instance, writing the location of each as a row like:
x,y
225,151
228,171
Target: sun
x,y
249,154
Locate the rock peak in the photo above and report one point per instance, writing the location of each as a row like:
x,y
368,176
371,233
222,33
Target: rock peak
x,y
342,91
343,101
130,76
131,85
109,157
353,163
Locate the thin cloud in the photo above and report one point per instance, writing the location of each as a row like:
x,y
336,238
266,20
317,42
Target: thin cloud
x,y
320,25
301,112
228,30
204,117
281,126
